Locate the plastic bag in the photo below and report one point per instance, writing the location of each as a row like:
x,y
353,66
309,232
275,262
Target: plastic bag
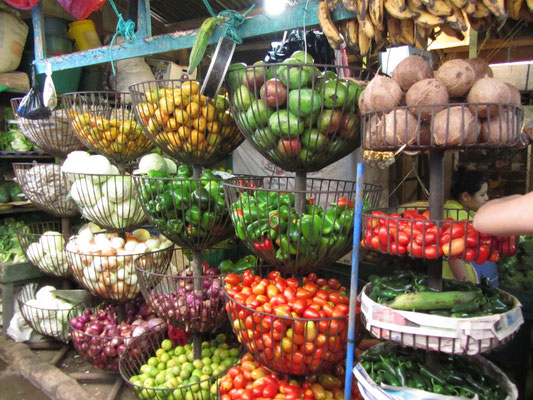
x,y
22,4
317,46
31,106
49,92
81,9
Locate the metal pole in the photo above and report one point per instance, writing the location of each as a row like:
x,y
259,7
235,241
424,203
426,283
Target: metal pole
x,y
300,185
436,204
354,278
198,287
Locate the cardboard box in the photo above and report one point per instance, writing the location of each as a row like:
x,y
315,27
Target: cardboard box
x,y
164,70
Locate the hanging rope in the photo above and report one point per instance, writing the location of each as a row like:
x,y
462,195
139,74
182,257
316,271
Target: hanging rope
x,y
126,29
231,19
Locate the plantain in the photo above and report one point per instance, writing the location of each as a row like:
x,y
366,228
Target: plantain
x,y
448,30
361,6
415,5
379,36
332,4
477,24
470,8
457,20
375,10
395,30
428,3
367,26
421,37
351,26
513,8
408,31
481,11
440,8
460,3
328,27
349,5
496,7
428,20
394,8
200,43
363,41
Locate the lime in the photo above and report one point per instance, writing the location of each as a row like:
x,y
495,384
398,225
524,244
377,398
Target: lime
x,y
166,344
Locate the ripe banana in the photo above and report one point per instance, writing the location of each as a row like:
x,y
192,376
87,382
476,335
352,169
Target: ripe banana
x,y
428,20
352,27
364,41
415,5
328,27
428,3
470,8
375,10
395,30
481,11
332,4
496,7
440,8
367,26
394,8
362,6
378,37
460,3
457,20
477,24
513,8
349,5
421,37
408,31
448,30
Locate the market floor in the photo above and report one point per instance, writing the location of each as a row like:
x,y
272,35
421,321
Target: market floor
x,y
14,386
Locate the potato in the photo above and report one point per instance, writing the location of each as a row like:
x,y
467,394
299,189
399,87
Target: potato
x,y
516,98
381,93
500,130
455,126
481,67
427,92
457,75
488,90
400,127
411,70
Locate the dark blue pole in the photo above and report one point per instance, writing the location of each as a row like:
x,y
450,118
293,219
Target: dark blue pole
x,y
354,280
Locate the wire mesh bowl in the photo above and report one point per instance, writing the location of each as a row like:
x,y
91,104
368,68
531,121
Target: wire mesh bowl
x,y
107,200
295,231
46,187
172,378
40,316
105,123
411,231
109,273
451,126
185,124
53,134
44,246
190,212
295,346
168,287
100,344
298,117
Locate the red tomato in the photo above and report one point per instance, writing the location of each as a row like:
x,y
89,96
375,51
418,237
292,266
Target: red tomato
x,y
398,249
414,249
340,310
292,283
403,238
304,294
310,313
494,256
334,284
238,381
472,238
312,277
321,282
299,306
384,236
427,239
270,391
432,252
232,279
483,254
328,309
455,248
470,255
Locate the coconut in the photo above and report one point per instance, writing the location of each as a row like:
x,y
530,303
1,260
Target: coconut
x,y
500,129
363,108
516,98
411,70
455,126
400,127
481,67
457,75
374,132
488,90
427,92
381,93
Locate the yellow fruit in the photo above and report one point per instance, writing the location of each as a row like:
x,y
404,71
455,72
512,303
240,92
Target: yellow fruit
x,y
194,110
196,137
172,124
184,132
213,139
209,112
166,104
181,116
145,110
199,123
161,117
213,126
111,134
199,98
190,88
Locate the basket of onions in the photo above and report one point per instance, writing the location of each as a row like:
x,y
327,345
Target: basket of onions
x,y
100,338
194,304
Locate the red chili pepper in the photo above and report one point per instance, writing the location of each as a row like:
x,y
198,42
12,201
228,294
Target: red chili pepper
x,y
266,245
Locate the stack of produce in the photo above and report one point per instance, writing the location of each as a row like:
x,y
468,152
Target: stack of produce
x,y
421,107
48,253
10,249
13,139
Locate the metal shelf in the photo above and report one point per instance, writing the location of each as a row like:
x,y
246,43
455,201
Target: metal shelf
x,y
18,210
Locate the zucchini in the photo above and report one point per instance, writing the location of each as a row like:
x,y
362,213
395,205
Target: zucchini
x,y
200,43
432,300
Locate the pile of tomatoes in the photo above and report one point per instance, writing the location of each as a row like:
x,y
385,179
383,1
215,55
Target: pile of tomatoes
x,y
289,328
413,233
250,381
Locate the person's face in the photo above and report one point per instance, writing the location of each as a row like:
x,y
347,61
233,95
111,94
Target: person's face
x,y
475,201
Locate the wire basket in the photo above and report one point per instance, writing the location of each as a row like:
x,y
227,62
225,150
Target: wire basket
x,y
107,200
44,246
46,321
190,212
292,237
185,124
100,348
295,346
46,187
105,123
53,134
112,277
301,119
447,126
168,286
132,369
410,231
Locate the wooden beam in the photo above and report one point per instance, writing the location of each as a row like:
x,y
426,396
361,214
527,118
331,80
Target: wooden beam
x,y
253,46
196,22
257,25
494,44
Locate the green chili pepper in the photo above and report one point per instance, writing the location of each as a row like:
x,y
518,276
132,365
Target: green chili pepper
x,y
391,379
469,307
420,382
424,371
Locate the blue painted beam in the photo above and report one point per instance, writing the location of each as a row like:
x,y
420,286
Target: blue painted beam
x,y
259,24
144,22
37,20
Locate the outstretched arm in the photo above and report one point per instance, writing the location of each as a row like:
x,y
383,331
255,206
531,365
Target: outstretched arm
x,y
511,215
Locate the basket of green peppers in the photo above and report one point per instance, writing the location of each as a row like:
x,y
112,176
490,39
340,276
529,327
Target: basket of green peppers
x,y
190,212
295,238
388,371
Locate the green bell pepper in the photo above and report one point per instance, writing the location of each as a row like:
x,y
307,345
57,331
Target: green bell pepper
x,y
157,174
285,245
175,226
261,196
282,256
288,199
200,197
284,211
257,229
331,221
311,228
164,202
208,221
193,215
184,171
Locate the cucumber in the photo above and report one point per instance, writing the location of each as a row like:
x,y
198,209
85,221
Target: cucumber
x,y
432,300
200,43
